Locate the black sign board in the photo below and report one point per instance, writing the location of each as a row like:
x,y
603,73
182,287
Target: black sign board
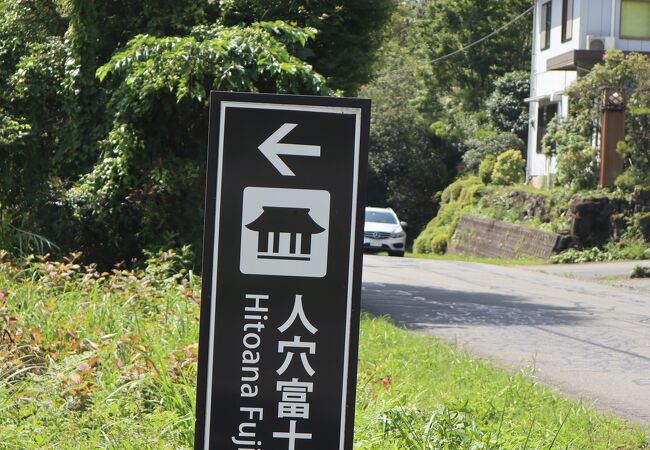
x,y
281,272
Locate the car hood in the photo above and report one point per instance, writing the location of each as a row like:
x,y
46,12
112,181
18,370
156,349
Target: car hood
x,y
381,227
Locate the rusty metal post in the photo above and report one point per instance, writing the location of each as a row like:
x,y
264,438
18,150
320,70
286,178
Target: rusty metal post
x,y
613,131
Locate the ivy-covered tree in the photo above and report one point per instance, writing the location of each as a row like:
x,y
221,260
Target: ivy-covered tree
x,y
103,130
149,178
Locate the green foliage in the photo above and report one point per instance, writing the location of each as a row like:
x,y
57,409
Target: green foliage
x,y
631,246
458,198
448,96
487,141
611,252
577,160
500,126
114,163
350,32
571,139
12,130
160,84
407,165
19,241
626,181
518,204
453,24
509,168
248,59
103,105
506,108
636,148
440,241
486,168
168,266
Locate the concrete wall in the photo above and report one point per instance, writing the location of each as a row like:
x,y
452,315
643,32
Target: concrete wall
x,y
478,236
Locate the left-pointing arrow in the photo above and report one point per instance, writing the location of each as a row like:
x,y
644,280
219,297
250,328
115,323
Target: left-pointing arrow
x,y
272,148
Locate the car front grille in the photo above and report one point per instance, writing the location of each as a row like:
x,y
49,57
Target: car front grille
x,y
376,234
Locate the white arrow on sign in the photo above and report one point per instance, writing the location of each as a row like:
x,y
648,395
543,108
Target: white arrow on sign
x,y
272,148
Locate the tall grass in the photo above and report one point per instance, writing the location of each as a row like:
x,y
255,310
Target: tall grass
x,y
108,360
19,241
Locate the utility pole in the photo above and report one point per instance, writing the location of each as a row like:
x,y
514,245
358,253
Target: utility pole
x,y
613,130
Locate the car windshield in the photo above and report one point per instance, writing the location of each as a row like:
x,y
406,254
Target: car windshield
x,y
380,217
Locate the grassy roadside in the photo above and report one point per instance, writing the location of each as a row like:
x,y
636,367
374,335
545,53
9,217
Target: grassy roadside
x,y
108,360
417,392
479,260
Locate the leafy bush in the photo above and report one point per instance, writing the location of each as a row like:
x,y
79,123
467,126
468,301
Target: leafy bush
x,y
626,181
577,160
459,197
506,107
486,168
168,266
611,252
440,241
488,142
509,168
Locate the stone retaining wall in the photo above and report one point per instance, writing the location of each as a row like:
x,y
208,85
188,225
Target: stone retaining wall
x,y
478,236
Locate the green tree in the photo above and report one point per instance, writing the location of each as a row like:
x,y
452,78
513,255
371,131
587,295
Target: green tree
x,y
507,110
147,186
102,129
349,32
407,162
636,147
453,24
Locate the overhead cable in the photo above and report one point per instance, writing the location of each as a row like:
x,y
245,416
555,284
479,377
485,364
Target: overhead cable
x,y
473,44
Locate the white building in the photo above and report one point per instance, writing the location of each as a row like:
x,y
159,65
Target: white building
x,y
569,38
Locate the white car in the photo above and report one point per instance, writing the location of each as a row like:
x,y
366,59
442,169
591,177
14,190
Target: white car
x,y
384,232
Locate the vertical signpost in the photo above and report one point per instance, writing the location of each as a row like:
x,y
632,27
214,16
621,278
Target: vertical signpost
x,y
281,272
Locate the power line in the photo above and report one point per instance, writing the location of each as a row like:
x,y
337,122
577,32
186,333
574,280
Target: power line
x,y
473,44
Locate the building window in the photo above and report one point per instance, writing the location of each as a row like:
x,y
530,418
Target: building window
x,y
567,20
544,116
635,19
545,38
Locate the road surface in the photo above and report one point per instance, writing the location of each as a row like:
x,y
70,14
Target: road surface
x,y
590,340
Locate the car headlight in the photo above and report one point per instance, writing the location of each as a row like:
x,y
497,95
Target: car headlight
x,y
398,235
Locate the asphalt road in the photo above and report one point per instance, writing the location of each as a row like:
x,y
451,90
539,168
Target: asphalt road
x,y
590,340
